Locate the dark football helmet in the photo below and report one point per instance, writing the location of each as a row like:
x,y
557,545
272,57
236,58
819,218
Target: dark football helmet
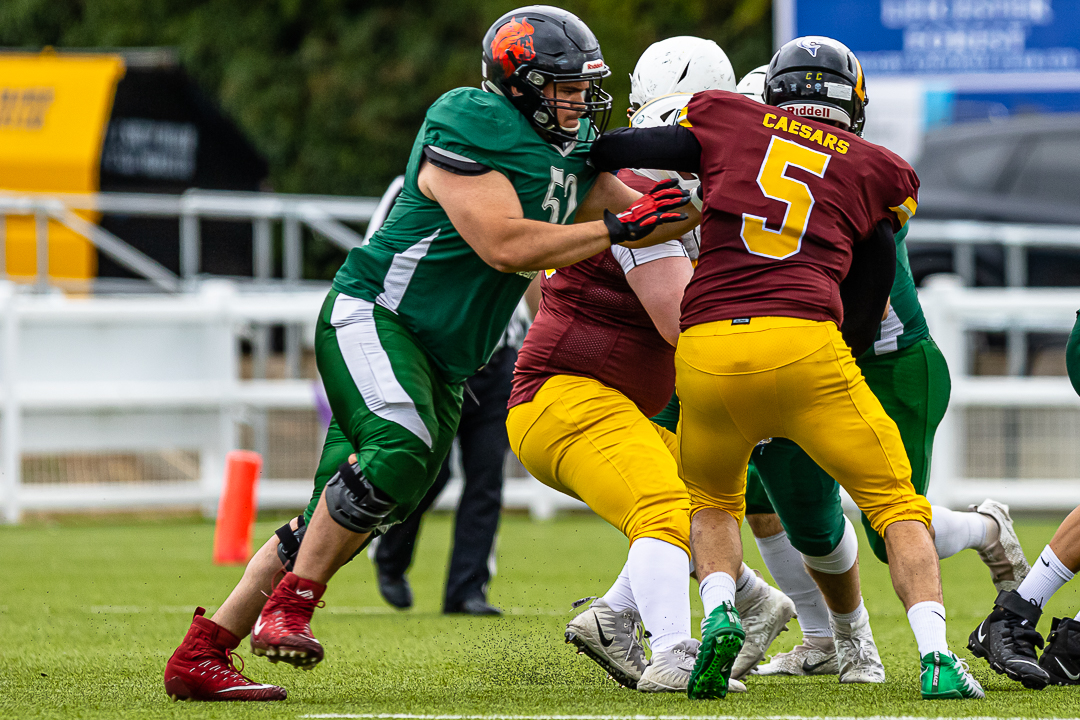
x,y
528,48
819,78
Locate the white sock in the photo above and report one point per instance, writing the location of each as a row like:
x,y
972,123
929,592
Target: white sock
x,y
621,597
928,623
745,585
1047,576
785,564
955,531
852,617
717,589
659,575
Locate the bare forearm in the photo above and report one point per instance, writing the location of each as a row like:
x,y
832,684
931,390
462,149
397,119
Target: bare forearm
x,y
531,245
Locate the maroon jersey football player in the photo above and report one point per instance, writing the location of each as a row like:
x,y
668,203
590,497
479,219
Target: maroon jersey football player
x,y
798,214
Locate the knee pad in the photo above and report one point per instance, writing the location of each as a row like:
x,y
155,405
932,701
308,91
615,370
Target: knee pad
x,y
289,542
841,559
354,503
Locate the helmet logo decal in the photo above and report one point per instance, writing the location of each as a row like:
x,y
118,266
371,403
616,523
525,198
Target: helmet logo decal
x,y
513,44
810,46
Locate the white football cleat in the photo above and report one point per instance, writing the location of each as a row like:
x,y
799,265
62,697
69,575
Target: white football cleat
x,y
803,660
764,615
1005,558
614,640
669,671
856,652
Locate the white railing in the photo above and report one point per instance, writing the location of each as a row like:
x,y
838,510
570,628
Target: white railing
x,y
953,312
149,374
963,237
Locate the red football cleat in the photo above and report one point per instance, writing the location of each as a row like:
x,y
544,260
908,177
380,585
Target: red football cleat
x,y
202,667
283,631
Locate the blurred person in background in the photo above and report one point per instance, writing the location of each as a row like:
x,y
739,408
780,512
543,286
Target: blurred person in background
x,y
499,185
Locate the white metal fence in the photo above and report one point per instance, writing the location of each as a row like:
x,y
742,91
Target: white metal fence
x,y
131,401
1025,430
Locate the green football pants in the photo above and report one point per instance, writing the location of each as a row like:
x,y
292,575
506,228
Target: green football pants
x,y
389,403
1072,355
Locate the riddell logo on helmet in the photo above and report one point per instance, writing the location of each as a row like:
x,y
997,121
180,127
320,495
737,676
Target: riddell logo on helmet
x,y
591,65
513,44
813,111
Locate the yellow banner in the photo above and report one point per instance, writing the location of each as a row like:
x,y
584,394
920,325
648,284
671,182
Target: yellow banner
x,y
54,110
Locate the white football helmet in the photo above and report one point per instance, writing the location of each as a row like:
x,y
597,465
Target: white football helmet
x,y
665,110
753,84
681,64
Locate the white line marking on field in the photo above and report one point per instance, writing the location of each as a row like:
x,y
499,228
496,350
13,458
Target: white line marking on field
x,y
406,716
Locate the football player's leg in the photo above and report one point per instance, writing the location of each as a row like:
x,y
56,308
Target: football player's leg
x,y
210,640
913,386
591,442
807,501
831,410
400,417
1008,637
714,453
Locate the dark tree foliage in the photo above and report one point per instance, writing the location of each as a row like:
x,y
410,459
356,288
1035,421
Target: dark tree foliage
x,y
333,91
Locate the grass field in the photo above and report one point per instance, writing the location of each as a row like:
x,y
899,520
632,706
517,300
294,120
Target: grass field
x,y
90,613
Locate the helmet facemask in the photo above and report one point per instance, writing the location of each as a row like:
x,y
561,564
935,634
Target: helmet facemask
x,y
541,110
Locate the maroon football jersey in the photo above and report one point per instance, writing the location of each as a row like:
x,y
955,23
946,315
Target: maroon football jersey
x,y
591,324
785,198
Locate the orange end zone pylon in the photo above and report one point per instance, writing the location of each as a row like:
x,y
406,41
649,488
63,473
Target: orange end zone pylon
x,y
236,511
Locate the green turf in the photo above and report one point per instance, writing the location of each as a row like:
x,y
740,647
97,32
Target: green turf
x,y
88,616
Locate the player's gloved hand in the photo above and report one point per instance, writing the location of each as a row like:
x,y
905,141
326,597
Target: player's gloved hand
x,y
650,210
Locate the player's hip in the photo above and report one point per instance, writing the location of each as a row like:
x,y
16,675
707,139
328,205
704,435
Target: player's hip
x,y
576,428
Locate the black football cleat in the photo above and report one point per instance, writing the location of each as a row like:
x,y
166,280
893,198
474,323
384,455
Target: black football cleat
x,y
396,590
1007,639
1061,659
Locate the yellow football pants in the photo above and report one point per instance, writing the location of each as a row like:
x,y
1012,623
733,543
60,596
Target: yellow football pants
x,y
591,442
791,378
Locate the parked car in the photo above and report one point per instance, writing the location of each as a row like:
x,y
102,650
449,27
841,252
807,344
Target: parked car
x,y
1023,169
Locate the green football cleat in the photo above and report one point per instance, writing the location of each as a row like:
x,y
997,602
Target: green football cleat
x,y
946,677
721,639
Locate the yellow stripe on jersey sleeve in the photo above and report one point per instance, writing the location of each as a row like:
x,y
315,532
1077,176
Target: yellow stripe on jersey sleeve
x,y
905,210
683,120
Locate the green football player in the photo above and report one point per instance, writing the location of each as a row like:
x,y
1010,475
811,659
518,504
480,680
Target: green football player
x,y
498,186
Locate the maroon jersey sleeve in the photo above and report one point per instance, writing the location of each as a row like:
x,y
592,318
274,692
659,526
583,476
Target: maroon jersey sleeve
x,y
785,198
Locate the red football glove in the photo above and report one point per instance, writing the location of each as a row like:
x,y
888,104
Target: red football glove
x,y
650,210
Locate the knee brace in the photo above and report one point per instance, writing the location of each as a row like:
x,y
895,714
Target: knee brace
x,y
841,559
289,542
354,503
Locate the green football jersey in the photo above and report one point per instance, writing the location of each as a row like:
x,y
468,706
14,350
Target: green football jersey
x,y
905,324
419,267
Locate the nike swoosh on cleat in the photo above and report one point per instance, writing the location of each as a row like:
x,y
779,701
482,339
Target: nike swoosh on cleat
x,y
981,634
259,625
247,687
603,639
1072,677
809,668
